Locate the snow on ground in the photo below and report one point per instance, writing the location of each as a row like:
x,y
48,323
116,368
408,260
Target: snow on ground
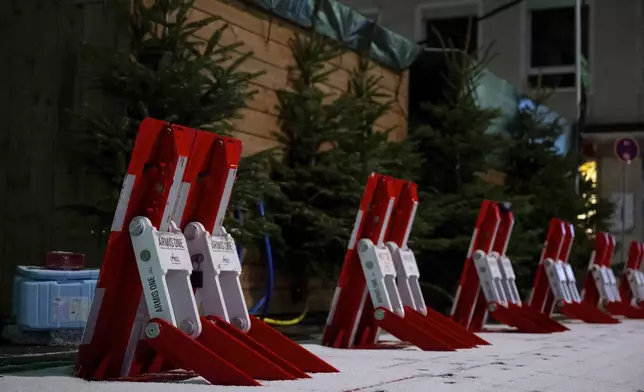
x,y
588,358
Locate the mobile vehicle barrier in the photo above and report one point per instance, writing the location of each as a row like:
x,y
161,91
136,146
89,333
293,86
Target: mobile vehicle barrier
x,y
169,304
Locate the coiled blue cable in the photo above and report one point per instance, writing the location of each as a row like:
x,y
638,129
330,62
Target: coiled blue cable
x,y
269,261
263,303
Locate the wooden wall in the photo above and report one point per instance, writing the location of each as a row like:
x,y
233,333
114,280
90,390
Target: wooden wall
x,y
44,77
269,43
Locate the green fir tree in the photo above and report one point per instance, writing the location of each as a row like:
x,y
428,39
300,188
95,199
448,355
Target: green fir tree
x,y
310,208
458,152
536,167
166,72
329,147
366,148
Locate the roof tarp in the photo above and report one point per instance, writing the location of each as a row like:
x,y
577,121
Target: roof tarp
x,y
343,24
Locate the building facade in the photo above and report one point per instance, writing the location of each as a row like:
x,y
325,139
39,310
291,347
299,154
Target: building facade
x,y
533,42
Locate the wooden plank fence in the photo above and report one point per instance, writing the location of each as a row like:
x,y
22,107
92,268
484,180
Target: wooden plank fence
x,y
43,79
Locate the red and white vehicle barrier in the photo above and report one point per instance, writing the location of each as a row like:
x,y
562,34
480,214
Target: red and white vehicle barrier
x,y
379,284
487,285
169,303
600,286
555,284
631,284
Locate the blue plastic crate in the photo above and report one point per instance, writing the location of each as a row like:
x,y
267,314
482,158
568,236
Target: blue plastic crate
x,y
52,299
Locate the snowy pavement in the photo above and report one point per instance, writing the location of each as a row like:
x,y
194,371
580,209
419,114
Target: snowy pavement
x,y
588,358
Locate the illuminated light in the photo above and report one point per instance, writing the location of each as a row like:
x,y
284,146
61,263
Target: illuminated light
x,y
588,171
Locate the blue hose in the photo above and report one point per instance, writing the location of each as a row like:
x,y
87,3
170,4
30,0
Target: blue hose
x,y
269,261
263,303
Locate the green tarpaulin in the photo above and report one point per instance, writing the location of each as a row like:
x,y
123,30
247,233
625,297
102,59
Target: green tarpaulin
x,y
343,24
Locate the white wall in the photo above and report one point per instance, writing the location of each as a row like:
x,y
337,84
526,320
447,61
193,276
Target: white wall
x,y
616,46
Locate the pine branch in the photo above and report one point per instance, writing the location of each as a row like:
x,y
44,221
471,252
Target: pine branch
x,y
321,140
167,72
535,167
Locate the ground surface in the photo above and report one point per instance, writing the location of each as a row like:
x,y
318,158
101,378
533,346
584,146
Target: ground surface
x,y
588,358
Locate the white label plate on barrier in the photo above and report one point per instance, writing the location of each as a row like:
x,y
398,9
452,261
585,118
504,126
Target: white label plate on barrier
x,y
386,262
225,253
604,275
489,276
609,289
600,278
611,276
493,265
173,250
164,265
380,273
561,273
570,274
557,280
639,279
507,267
409,262
636,282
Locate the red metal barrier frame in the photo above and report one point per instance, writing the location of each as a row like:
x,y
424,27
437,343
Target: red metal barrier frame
x,y
201,190
541,299
111,348
491,234
522,317
591,293
262,352
401,220
584,311
158,153
470,307
350,298
353,322
398,232
625,306
557,248
634,263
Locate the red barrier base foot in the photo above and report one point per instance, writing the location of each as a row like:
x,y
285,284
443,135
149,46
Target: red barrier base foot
x,y
587,314
189,354
541,319
619,308
516,319
451,325
287,349
408,330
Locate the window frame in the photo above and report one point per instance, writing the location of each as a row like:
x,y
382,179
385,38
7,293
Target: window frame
x,y
452,8
474,46
530,71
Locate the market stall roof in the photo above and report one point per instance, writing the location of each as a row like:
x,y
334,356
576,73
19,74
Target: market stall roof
x,y
343,24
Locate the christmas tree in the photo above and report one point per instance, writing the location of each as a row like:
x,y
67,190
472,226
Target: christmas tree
x,y
458,152
536,166
365,102
329,147
310,208
168,73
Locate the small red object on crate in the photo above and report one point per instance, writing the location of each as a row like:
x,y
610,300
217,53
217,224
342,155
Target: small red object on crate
x,y
58,260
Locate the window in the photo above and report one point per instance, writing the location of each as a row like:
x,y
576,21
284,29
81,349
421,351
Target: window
x,y
454,30
552,46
